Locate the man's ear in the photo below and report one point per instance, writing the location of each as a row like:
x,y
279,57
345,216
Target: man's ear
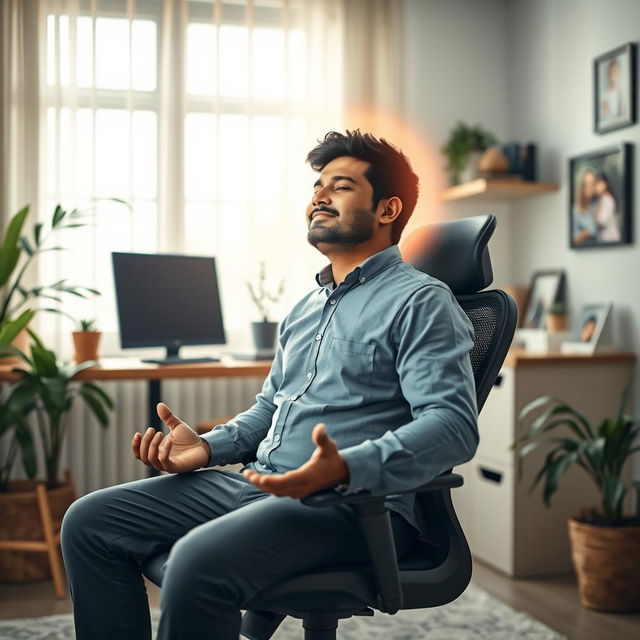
x,y
389,209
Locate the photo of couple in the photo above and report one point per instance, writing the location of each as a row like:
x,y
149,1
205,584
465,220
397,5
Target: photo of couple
x,y
598,199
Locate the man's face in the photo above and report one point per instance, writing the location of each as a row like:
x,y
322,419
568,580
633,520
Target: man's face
x,y
340,209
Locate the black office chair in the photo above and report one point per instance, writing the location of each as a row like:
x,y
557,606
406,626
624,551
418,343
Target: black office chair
x,y
438,568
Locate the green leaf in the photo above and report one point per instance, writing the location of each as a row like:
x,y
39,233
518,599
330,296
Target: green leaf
x,y
26,245
106,399
96,406
10,251
27,447
58,215
9,329
555,473
37,232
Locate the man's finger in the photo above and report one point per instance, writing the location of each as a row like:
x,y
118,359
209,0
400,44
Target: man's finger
x,y
144,444
322,440
164,451
135,444
167,416
153,451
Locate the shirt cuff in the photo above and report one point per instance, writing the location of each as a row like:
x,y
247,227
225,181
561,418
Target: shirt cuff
x,y
363,462
222,446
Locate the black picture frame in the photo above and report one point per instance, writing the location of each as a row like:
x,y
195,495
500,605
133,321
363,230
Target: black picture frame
x,y
615,89
601,197
547,288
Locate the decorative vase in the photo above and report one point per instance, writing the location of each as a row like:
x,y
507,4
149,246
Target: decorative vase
x,y
22,521
86,344
493,161
470,171
264,335
556,322
607,564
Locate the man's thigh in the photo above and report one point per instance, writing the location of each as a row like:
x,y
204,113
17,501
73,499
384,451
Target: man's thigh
x,y
261,543
146,517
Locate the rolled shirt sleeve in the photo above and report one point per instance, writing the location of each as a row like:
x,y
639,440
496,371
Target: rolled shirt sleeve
x,y
433,337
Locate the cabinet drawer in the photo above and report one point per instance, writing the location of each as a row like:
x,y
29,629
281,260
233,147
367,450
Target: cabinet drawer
x,y
496,420
491,531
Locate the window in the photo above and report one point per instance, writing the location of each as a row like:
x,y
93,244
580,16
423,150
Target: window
x,y
200,121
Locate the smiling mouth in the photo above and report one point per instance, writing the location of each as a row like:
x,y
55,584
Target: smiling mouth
x,y
322,214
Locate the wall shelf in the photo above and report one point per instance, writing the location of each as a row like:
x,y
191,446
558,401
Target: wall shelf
x,y
497,189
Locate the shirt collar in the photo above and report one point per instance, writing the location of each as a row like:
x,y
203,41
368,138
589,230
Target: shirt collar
x,y
369,268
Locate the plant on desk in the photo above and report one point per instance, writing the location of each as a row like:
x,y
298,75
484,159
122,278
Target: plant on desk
x,y
264,332
605,543
86,341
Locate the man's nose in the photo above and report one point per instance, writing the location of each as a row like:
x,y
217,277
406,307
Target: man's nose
x,y
321,196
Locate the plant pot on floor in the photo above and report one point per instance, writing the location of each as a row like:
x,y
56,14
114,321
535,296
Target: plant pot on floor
x,y
264,335
86,344
29,531
607,563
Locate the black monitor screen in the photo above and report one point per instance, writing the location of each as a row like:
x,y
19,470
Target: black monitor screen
x,y
167,300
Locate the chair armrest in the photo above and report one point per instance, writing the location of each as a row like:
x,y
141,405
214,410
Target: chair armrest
x,y
375,525
329,497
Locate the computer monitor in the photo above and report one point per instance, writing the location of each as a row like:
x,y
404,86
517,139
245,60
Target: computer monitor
x,y
167,301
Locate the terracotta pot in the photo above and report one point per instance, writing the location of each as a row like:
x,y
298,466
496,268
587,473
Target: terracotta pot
x,y
21,521
556,322
607,563
22,341
86,344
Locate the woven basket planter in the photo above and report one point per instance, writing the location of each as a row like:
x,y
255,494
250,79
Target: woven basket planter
x,y
607,563
22,521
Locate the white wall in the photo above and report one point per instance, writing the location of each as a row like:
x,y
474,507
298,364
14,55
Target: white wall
x,y
551,50
523,69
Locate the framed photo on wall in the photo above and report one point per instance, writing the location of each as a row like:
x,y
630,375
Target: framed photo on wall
x,y
600,197
614,83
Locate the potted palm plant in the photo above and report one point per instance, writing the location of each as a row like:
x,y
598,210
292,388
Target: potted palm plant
x,y
605,542
45,392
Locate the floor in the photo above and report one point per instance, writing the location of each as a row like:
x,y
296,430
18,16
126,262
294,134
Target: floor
x,y
552,600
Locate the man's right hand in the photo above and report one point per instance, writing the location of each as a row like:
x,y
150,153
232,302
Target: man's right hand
x,y
180,451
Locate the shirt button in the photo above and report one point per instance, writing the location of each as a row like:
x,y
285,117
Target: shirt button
x,y
276,438
332,301
362,279
318,336
309,375
292,397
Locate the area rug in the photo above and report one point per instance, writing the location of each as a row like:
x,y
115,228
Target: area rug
x,y
473,616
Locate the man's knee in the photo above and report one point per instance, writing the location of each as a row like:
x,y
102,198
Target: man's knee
x,y
81,519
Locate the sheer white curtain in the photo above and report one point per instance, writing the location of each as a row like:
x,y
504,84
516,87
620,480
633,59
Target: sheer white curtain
x,y
198,113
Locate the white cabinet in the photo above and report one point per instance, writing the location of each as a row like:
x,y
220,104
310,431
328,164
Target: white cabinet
x,y
505,525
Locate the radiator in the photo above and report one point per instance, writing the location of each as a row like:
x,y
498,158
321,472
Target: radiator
x,y
100,457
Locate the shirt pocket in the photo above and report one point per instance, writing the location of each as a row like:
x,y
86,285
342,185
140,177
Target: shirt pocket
x,y
351,364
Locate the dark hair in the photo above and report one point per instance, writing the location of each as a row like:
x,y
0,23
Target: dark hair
x,y
390,173
601,175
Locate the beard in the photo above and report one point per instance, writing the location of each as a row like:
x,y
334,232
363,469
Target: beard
x,y
359,231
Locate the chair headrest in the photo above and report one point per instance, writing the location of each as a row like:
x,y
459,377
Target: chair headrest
x,y
454,252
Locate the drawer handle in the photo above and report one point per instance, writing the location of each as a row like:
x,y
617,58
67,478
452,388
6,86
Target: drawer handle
x,y
492,476
498,381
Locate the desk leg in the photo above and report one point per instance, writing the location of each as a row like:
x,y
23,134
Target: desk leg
x,y
153,397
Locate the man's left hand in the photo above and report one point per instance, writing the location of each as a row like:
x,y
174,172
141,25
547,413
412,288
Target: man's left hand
x,y
325,468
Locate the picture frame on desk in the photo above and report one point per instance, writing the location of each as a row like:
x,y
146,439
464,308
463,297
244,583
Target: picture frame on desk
x,y
547,288
587,334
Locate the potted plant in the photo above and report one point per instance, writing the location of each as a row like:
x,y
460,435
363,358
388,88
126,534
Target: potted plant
x,y
86,341
463,150
557,317
17,253
264,332
605,542
45,392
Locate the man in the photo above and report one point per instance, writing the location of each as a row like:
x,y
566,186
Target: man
x,y
371,388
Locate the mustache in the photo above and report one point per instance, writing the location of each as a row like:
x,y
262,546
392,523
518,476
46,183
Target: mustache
x,y
325,210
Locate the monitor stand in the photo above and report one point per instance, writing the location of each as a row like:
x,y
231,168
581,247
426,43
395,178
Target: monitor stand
x,y
173,357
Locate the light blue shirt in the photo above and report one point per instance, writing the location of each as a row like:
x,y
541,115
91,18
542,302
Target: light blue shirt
x,y
383,361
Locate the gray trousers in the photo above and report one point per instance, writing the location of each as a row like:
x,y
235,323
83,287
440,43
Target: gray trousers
x,y
228,540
